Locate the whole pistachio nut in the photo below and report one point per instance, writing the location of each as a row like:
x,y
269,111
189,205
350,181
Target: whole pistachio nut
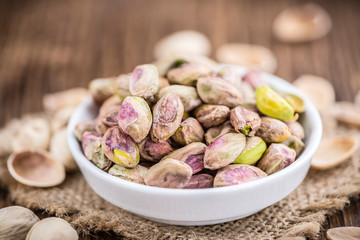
x,y
215,132
245,120
255,79
121,86
295,101
272,104
101,89
120,148
254,149
200,181
91,145
296,129
163,82
187,94
278,156
135,174
189,131
211,115
236,174
135,118
154,151
295,143
230,74
214,90
169,173
167,115
272,130
53,102
144,81
188,74
224,150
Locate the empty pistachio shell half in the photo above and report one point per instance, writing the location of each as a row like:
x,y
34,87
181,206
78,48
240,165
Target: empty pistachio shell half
x,y
82,127
319,90
144,81
236,174
305,22
244,120
53,102
189,131
224,150
346,112
169,173
36,168
200,181
135,118
248,55
211,115
215,132
51,229
295,143
215,90
254,149
273,130
188,74
154,151
101,89
15,222
255,79
91,145
167,115
135,174
121,86
60,150
61,118
343,233
272,104
186,41
296,129
334,151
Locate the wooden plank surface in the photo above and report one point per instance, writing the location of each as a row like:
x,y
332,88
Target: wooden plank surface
x,y
51,45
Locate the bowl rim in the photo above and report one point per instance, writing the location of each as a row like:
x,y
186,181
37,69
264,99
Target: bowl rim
x,y
312,144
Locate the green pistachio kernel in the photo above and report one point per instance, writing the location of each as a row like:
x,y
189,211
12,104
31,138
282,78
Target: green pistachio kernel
x,y
254,149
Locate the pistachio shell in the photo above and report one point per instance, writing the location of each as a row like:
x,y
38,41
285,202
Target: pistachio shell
x,y
295,143
236,174
200,181
296,129
215,132
91,145
343,233
135,174
61,118
101,89
6,135
53,102
121,86
254,149
224,150
255,79
273,130
346,112
211,115
144,81
154,151
272,104
189,131
245,121
188,74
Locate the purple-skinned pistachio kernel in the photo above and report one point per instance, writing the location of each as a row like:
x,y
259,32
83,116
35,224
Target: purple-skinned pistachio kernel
x,y
135,174
91,144
196,162
245,120
296,129
187,74
154,151
272,130
211,115
200,181
189,131
215,132
255,79
110,119
144,81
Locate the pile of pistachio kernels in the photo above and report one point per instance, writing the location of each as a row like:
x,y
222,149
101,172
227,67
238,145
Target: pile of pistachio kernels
x,y
187,122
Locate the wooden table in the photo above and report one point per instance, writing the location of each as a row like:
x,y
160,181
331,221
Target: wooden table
x,y
51,45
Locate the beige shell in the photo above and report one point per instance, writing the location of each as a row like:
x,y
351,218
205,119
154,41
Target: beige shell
x,y
333,151
35,168
188,42
248,55
343,233
6,135
53,102
52,229
15,222
302,23
346,112
34,133
319,90
60,150
61,118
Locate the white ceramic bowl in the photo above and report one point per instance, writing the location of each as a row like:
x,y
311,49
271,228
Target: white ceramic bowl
x,y
200,206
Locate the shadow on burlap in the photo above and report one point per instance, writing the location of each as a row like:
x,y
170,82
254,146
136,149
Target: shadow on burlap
x,y
298,216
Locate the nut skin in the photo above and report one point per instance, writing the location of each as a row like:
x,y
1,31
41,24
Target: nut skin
x,y
188,132
295,143
272,130
188,74
224,150
211,115
245,121
200,181
296,129
144,81
120,148
91,145
169,173
236,174
135,174
135,118
154,151
121,86
273,105
254,149
255,79
167,116
215,90
101,89
187,94
277,157
215,132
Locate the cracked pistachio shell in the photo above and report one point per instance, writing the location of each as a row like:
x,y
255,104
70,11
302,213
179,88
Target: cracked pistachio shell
x,y
224,150
254,149
154,151
211,115
296,102
135,174
169,173
15,222
187,94
120,148
215,132
273,130
53,102
272,104
244,120
235,174
296,129
91,145
101,89
200,181
192,154
135,118
167,116
121,86
255,79
59,148
277,157
144,81
231,75
295,143
188,74
189,131
214,90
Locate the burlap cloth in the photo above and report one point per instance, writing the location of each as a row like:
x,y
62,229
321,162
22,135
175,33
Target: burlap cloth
x,y
298,216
